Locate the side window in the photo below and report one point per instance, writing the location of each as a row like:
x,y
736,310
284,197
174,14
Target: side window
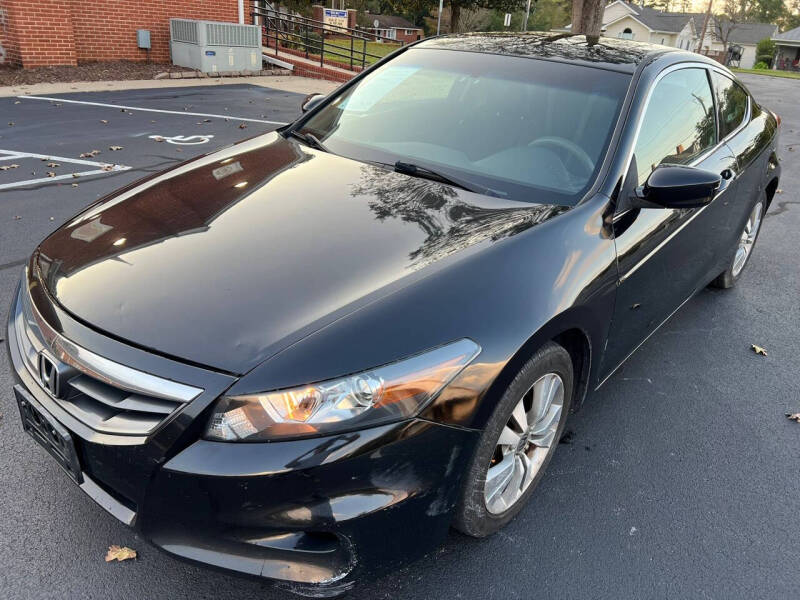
x,y
678,124
732,103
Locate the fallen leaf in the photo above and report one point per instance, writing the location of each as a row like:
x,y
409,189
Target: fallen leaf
x,y
115,148
53,165
178,150
158,138
17,102
779,191
104,122
75,175
51,174
758,350
7,167
206,120
44,158
11,123
121,110
242,126
119,553
17,217
793,417
74,185
108,167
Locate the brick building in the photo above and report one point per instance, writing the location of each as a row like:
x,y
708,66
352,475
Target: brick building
x,y
66,32
394,28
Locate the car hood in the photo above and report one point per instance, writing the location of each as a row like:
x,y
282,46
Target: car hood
x,y
227,259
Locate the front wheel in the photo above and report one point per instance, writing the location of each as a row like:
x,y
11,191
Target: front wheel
x,y
517,443
747,239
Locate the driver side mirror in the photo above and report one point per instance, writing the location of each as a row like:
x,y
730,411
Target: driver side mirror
x,y
676,186
311,101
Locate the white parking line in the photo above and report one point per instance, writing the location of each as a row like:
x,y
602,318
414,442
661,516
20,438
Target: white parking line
x,y
155,110
15,155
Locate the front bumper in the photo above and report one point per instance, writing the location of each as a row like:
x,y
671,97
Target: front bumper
x,y
315,514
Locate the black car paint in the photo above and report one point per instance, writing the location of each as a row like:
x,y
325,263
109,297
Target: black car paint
x,y
318,511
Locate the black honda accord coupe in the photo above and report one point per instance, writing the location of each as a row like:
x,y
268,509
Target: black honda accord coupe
x,y
306,356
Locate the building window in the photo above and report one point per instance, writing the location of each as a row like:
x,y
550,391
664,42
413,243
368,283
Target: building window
x,y
626,34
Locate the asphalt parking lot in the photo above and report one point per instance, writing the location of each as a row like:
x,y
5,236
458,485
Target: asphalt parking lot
x,y
678,479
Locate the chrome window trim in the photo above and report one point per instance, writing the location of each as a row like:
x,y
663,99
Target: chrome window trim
x,y
94,365
745,121
659,77
748,113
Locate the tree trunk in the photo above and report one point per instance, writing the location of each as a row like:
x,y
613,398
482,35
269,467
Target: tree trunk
x,y
587,18
455,16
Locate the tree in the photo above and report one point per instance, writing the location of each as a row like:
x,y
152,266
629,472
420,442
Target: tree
x,y
587,18
457,6
723,28
767,11
765,51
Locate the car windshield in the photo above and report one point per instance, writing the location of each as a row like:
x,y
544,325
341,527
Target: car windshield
x,y
513,127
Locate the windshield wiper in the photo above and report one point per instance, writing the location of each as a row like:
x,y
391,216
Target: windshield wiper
x,y
309,139
420,171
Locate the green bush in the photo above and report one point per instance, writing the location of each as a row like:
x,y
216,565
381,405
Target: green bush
x,y
761,65
765,51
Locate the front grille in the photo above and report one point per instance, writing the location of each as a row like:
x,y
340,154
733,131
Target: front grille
x,y
104,395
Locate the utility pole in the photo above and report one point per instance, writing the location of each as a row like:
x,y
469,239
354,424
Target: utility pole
x,y
705,26
439,22
527,14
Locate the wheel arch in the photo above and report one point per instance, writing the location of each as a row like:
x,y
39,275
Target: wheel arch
x,y
565,330
771,189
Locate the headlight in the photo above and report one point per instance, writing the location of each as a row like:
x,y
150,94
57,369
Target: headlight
x,y
389,393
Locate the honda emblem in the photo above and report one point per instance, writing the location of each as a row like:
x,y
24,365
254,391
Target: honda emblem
x,y
48,375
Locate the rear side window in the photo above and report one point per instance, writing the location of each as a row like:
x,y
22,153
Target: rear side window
x,y
678,125
731,102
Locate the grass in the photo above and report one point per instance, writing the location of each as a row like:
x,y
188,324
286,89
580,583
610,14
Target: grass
x,y
770,73
377,48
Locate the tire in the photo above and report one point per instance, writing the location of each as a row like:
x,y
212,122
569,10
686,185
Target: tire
x,y
473,515
728,278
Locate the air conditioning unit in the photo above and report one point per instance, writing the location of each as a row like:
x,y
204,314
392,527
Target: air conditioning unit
x,y
214,47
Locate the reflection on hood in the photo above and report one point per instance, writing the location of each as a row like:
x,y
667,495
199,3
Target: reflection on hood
x,y
449,222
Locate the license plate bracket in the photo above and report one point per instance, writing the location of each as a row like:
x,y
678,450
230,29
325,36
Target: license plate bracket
x,y
49,433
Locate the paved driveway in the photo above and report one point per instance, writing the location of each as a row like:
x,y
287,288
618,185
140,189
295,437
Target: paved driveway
x,y
679,479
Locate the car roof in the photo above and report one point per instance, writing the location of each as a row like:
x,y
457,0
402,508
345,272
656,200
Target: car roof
x,y
608,53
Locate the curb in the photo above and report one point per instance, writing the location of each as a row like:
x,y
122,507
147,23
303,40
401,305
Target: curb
x,y
201,75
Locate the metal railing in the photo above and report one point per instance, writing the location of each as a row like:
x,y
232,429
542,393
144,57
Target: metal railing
x,y
317,39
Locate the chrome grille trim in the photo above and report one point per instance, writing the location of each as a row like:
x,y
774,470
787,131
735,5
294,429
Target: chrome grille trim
x,y
89,363
108,397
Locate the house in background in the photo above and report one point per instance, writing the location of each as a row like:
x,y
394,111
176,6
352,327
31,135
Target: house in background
x,y
631,21
394,28
787,50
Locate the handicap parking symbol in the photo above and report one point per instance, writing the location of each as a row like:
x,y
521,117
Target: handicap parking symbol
x,y
183,140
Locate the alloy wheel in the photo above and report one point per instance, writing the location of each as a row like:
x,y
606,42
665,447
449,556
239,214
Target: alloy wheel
x,y
747,239
524,443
